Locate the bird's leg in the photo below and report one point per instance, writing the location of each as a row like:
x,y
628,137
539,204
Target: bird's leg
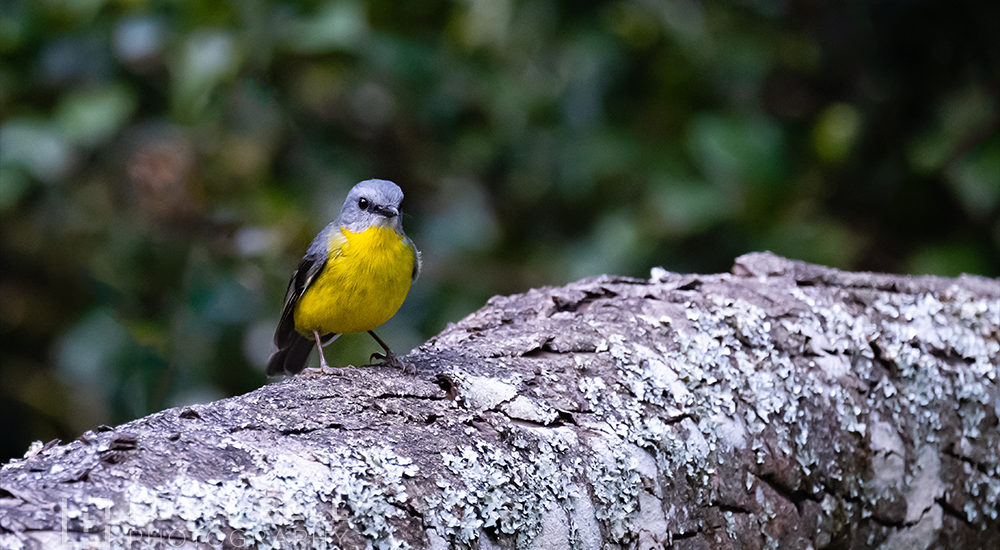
x,y
323,367
390,359
319,347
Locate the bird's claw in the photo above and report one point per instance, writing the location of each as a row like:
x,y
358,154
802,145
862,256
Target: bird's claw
x,y
326,370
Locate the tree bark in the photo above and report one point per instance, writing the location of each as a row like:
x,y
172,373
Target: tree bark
x,y
784,405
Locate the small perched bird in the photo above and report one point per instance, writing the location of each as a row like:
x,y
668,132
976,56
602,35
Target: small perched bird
x,y
353,278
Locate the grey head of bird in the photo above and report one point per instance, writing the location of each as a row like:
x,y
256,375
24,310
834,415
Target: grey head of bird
x,y
371,203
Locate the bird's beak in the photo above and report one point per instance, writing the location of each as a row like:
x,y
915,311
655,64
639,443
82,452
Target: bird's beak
x,y
388,211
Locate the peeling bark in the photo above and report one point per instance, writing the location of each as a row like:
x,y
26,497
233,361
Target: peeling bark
x,y
785,405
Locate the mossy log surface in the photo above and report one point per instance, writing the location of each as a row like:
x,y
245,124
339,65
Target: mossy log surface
x,y
784,405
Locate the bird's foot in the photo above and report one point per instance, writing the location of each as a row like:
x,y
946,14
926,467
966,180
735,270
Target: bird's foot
x,y
390,360
326,370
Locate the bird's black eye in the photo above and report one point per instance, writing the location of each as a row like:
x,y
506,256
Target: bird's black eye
x,y
363,203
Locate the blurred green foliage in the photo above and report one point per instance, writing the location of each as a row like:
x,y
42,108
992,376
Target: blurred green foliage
x,y
163,164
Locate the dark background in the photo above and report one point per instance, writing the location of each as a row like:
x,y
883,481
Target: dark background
x,y
164,164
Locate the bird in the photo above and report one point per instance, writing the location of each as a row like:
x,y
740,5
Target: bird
x,y
353,278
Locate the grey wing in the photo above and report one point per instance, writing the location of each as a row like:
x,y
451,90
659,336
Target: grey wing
x,y
300,281
293,348
325,244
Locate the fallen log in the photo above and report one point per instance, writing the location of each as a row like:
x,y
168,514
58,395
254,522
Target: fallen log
x,y
783,405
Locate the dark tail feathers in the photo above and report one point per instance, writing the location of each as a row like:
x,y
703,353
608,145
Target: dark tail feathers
x,y
292,358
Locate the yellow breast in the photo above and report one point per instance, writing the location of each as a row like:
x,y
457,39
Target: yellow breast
x,y
364,282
